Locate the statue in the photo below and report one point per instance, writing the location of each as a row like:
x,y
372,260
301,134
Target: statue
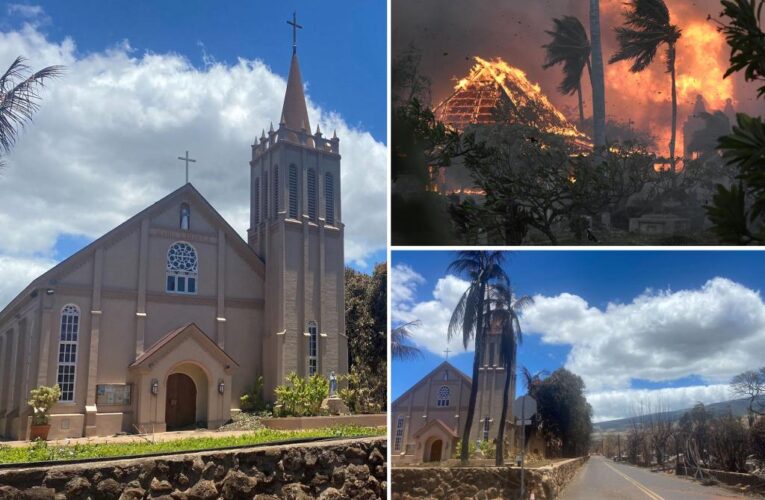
x,y
332,384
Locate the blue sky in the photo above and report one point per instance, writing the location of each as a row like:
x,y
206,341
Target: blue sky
x,y
652,296
342,45
147,80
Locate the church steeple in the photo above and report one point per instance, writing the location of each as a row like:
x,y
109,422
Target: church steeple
x,y
294,110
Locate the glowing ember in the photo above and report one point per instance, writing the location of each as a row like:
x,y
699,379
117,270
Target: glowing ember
x,y
476,97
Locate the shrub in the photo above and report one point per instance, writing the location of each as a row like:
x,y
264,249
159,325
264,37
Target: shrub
x,y
365,391
757,438
488,449
301,397
252,400
42,399
458,449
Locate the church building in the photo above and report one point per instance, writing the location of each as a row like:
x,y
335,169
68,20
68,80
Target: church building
x,y
165,321
429,418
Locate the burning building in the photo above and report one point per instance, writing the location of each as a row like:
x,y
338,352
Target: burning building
x,y
476,99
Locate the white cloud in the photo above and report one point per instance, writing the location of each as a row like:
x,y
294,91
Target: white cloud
x,y
713,332
17,273
434,314
104,143
625,403
27,11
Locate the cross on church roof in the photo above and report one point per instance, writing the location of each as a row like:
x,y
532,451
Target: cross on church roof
x,y
447,351
187,160
295,27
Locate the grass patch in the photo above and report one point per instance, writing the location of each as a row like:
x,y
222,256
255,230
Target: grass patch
x,y
41,451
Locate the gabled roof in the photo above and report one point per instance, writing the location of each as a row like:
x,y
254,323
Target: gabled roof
x,y
187,330
120,231
462,376
294,111
436,423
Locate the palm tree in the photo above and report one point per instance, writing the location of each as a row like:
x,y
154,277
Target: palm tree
x,y
505,309
532,381
570,47
399,338
470,317
647,27
597,79
19,98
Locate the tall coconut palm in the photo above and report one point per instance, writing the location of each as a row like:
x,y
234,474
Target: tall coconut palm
x,y
399,338
19,98
647,27
597,78
570,47
505,308
483,269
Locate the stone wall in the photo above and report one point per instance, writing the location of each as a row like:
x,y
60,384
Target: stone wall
x,y
730,478
481,482
332,470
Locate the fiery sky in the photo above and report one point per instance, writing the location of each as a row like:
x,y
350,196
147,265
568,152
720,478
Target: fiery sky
x,y
450,32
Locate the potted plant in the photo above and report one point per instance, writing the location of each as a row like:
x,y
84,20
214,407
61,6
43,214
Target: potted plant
x,y
42,400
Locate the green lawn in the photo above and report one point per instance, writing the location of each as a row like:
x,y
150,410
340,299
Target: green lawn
x,y
41,451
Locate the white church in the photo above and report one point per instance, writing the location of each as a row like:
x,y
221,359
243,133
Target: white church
x,y
166,320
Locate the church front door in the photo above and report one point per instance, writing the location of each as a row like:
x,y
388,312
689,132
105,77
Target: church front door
x,y
435,451
181,406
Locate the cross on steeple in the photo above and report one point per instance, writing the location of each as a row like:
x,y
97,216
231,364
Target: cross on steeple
x,y
187,160
447,351
295,27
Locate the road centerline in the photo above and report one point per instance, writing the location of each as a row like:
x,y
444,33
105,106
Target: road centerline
x,y
651,494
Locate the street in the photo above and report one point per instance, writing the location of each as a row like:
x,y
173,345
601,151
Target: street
x,y
603,478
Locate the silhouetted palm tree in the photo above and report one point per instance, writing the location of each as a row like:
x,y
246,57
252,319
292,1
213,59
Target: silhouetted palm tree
x,y
470,317
647,27
504,309
570,47
597,78
19,98
399,337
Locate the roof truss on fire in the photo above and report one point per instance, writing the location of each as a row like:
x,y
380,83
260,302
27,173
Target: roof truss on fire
x,y
476,97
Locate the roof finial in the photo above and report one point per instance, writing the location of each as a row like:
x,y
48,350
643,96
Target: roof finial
x,y
295,27
318,129
271,128
334,134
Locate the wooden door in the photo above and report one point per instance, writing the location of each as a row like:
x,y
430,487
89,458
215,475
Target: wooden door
x,y
181,406
435,451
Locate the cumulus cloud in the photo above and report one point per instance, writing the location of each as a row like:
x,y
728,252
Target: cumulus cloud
x,y
711,332
612,405
104,145
23,10
17,273
434,314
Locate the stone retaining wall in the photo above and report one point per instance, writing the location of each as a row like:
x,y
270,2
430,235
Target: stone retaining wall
x,y
295,423
730,478
332,470
481,482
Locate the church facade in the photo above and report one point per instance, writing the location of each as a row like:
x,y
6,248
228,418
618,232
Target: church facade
x,y
165,321
428,420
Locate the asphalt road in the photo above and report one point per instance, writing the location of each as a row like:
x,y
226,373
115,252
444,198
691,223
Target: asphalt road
x,y
602,478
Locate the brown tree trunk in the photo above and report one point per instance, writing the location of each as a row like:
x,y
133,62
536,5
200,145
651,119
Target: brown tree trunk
x,y
674,115
464,453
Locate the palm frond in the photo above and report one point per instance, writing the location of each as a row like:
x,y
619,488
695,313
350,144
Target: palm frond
x,y
400,341
647,26
570,47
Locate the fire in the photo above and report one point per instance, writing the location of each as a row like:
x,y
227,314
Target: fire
x,y
475,98
700,65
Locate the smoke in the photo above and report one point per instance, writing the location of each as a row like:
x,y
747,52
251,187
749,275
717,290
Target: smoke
x,y
449,32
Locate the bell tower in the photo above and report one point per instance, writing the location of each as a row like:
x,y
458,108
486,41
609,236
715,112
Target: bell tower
x,y
296,228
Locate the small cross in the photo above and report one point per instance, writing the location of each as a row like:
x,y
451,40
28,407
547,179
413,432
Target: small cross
x,y
295,27
187,160
447,351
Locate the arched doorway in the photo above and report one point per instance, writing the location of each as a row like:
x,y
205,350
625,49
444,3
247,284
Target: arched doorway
x,y
435,451
181,404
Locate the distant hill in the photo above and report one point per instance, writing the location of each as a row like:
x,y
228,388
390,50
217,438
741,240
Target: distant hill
x,y
738,407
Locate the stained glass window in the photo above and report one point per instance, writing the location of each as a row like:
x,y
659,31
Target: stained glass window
x,y
313,348
443,396
67,351
181,268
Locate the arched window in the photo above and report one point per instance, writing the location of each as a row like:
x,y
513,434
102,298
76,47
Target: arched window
x,y
185,216
443,396
446,374
181,268
67,351
399,433
275,195
311,194
293,184
256,201
329,199
313,348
